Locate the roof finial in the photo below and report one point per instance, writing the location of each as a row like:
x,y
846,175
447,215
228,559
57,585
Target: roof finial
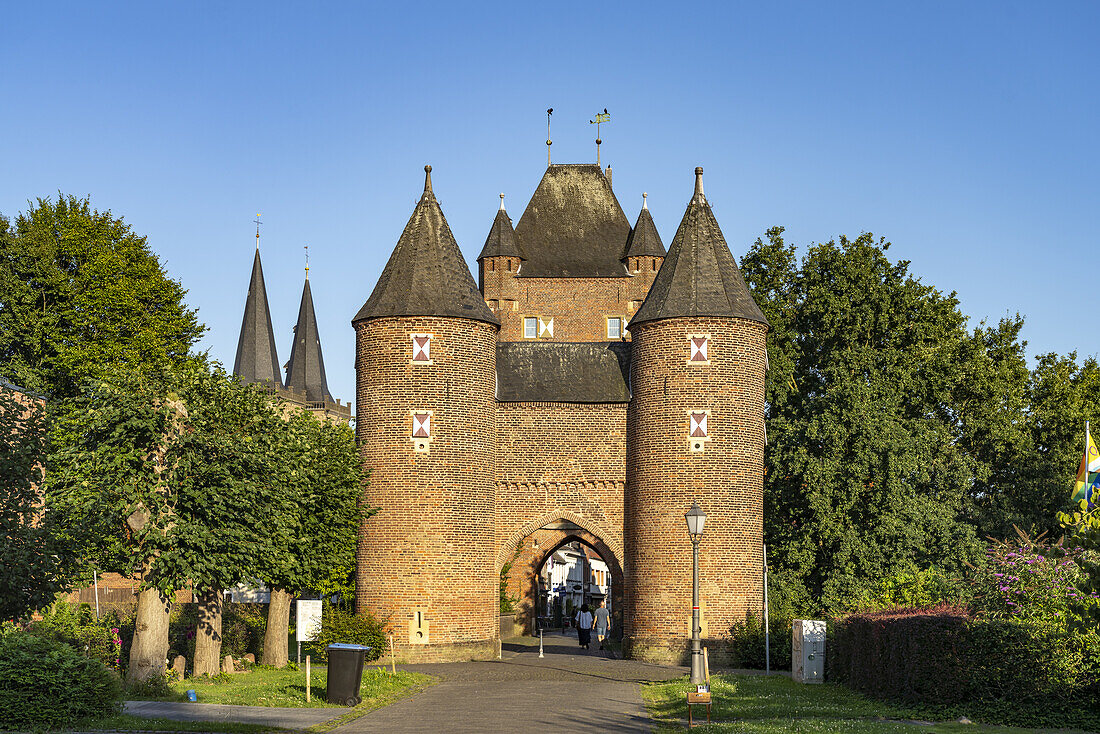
x,y
699,184
428,180
549,142
307,261
645,204
257,232
601,117
502,201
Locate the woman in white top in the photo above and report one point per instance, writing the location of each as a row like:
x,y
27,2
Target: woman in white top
x,y
584,626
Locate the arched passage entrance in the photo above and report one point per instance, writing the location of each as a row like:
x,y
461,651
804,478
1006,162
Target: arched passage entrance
x,y
522,563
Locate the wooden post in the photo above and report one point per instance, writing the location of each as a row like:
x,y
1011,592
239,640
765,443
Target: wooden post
x,y
393,659
307,678
706,665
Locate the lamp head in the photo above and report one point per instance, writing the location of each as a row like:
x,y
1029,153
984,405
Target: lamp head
x,y
695,520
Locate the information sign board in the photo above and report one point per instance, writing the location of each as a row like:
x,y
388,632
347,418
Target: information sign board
x,y
307,625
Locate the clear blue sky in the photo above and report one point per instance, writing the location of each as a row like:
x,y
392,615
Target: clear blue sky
x,y
966,133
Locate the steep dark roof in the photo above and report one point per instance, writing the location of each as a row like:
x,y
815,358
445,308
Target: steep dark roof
x,y
573,226
501,241
644,240
563,372
257,360
699,276
426,274
305,372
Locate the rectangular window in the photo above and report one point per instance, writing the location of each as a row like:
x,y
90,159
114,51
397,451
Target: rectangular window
x,y
614,327
530,327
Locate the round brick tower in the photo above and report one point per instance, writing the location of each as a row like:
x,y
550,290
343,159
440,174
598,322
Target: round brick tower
x,y
426,426
695,430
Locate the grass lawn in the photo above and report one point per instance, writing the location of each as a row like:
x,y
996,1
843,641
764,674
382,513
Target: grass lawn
x,y
757,704
125,722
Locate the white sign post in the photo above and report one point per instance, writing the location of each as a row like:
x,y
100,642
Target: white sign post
x,y
307,625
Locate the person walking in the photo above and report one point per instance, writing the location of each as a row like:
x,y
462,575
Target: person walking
x,y
584,627
603,622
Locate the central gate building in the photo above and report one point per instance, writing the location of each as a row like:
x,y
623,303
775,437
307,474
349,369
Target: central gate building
x,y
590,387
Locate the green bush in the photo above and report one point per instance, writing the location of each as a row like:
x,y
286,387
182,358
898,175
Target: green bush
x,y
747,641
243,627
46,684
338,625
76,625
1023,672
909,590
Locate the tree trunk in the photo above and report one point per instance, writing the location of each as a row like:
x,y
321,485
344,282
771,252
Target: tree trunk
x,y
149,650
278,626
208,636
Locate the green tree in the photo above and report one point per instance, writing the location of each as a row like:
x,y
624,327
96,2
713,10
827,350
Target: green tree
x,y
80,291
864,473
168,476
313,542
33,564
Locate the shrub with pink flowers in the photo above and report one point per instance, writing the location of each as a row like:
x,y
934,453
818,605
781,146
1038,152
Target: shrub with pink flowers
x,y
1028,581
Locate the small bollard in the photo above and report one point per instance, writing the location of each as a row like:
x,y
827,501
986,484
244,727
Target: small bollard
x,y
307,678
191,696
540,644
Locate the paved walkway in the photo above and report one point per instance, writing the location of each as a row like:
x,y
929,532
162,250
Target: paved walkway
x,y
286,718
569,690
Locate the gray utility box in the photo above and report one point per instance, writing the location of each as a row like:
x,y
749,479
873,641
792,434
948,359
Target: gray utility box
x,y
808,651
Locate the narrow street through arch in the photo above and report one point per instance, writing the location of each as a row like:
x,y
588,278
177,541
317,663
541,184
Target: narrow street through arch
x,y
566,690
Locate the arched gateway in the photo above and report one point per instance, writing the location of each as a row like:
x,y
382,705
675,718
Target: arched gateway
x,y
501,422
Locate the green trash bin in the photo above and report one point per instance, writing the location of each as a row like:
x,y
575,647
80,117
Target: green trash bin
x,y
345,672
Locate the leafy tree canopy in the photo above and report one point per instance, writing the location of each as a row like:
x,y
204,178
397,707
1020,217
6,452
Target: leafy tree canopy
x,y
80,291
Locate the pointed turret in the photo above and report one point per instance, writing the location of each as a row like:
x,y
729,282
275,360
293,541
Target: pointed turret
x,y
699,276
426,275
305,372
644,241
501,241
257,360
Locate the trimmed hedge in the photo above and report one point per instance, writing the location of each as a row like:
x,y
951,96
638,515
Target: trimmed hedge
x,y
338,625
46,684
946,660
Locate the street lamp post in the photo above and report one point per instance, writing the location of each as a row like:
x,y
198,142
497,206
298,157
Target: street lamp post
x,y
695,520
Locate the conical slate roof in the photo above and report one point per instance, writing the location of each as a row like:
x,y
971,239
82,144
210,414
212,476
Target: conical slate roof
x,y
699,276
257,360
573,226
305,372
644,240
501,241
426,274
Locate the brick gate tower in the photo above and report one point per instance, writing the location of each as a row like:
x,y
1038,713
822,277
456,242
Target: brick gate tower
x,y
695,432
503,423
426,424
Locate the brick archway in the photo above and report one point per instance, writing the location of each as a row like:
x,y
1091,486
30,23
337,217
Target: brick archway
x,y
528,553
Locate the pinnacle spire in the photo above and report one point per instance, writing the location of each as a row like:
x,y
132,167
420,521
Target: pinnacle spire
x,y
305,371
501,241
699,276
257,360
428,180
644,240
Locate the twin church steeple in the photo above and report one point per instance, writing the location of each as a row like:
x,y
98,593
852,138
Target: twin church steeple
x,y
257,359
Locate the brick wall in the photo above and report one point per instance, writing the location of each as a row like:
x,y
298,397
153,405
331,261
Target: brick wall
x,y
430,548
579,306
664,476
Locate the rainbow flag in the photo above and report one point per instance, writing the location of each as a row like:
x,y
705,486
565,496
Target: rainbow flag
x,y
1088,474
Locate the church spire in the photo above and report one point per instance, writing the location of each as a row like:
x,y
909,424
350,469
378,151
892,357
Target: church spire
x,y
257,360
305,371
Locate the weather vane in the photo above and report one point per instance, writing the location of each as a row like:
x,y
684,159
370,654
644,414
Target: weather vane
x,y
549,142
601,117
258,223
306,247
